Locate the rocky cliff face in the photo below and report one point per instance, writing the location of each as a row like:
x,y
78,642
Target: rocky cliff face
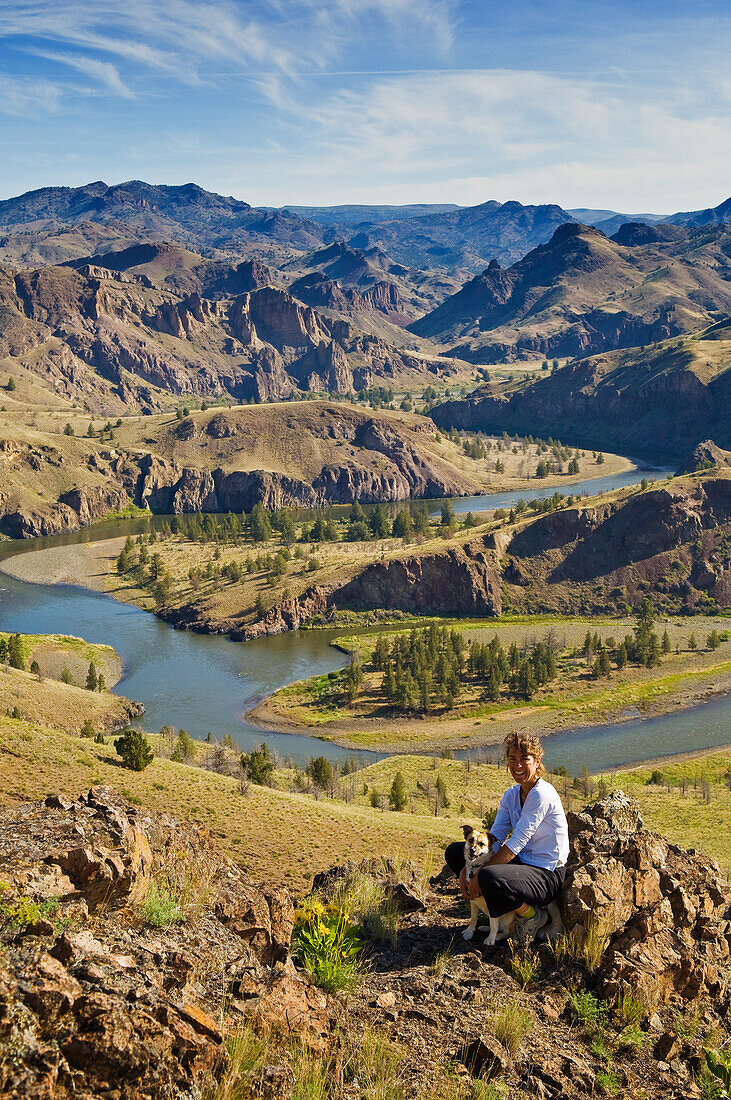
x,y
659,400
669,540
459,580
110,339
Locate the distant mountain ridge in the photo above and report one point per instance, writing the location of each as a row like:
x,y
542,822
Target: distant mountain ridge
x,y
55,224
583,293
186,213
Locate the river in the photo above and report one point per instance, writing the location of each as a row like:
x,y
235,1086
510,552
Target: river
x,y
205,683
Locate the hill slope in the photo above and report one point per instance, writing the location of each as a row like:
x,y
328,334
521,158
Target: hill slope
x,y
583,292
660,400
114,340
302,453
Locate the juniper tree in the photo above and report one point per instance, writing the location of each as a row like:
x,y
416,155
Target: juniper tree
x,y
134,749
397,794
258,765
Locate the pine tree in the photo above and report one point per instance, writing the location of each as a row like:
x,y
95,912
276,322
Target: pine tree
x,y
134,749
17,652
184,748
91,679
353,677
397,794
258,765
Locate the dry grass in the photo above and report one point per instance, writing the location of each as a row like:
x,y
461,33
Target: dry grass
x,y
58,652
256,829
55,704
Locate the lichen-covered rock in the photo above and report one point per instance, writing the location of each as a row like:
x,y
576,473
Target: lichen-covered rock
x,y
666,911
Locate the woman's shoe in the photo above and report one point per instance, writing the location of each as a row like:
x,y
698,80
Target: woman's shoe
x,y
526,928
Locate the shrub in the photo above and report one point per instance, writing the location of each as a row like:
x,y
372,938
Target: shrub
x,y
397,794
718,1063
184,748
327,945
134,749
524,966
586,1009
87,730
258,765
161,908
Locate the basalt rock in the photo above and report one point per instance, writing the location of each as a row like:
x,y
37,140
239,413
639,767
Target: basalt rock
x,y
666,912
125,1009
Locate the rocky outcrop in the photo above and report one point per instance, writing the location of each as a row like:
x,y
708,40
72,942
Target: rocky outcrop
x,y
460,580
111,340
658,401
95,999
670,540
666,912
705,457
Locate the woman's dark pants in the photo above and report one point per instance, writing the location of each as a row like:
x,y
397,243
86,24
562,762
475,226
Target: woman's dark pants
x,y
506,886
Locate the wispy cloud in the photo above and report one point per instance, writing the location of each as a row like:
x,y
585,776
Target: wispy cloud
x,y
182,37
28,98
101,71
469,136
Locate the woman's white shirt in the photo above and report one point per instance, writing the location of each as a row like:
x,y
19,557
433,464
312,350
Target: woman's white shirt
x,y
537,830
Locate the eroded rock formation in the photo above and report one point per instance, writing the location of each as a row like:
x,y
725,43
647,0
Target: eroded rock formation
x,y
95,1001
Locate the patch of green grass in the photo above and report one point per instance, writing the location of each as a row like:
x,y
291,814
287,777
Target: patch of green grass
x,y
608,1082
586,1009
525,965
161,908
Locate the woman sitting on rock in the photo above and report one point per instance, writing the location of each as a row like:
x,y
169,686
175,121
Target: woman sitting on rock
x,y
530,844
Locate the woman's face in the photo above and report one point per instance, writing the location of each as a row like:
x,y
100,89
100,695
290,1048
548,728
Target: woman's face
x,y
523,768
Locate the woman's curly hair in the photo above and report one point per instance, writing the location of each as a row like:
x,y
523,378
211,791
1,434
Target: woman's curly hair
x,y
527,744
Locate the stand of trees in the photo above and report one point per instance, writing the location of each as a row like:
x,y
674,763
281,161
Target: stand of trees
x,y
425,668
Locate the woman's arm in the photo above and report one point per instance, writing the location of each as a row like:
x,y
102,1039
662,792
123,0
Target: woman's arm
x,y
503,855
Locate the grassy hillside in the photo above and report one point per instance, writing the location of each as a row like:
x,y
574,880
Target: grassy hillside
x,y
56,695
660,398
290,835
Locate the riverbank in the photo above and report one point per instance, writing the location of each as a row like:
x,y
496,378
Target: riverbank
x,y
86,565
573,701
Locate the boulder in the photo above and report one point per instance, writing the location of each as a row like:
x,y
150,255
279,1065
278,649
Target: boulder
x,y
664,911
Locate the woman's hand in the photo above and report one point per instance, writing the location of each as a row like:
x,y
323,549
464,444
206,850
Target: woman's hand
x,y
473,888
463,883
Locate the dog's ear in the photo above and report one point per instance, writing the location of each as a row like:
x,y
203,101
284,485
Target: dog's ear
x,y
467,830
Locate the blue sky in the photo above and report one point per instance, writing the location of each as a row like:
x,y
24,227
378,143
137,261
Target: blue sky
x,y
625,105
